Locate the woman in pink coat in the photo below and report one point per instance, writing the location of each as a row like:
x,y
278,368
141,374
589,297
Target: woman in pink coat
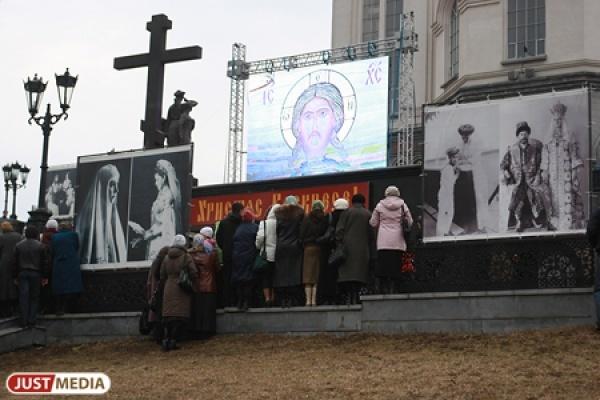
x,y
387,219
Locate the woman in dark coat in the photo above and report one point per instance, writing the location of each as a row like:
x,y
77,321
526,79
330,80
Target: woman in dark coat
x,y
224,236
8,289
244,253
355,234
288,252
312,228
176,303
328,291
204,301
66,273
46,293
154,295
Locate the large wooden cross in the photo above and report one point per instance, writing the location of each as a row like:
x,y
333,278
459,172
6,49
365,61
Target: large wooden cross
x,y
155,60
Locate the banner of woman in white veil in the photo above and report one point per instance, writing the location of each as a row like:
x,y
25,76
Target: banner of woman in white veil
x,y
131,204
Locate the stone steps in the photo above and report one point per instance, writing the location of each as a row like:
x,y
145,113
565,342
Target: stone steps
x,y
14,338
469,312
9,323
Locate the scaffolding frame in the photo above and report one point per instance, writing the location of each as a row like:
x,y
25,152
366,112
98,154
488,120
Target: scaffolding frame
x,y
402,47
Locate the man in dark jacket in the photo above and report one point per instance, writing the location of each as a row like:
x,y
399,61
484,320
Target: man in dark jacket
x,y
225,232
31,267
8,289
593,236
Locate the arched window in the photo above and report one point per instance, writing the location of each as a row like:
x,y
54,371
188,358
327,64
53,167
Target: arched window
x,y
453,42
526,28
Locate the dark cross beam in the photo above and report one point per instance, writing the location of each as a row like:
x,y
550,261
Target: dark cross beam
x,y
155,60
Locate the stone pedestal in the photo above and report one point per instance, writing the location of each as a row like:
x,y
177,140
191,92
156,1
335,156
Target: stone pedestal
x,y
38,217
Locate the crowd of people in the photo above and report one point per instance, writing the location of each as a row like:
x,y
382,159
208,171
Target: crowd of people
x,y
38,271
310,259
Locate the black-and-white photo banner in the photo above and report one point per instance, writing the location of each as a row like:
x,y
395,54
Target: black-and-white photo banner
x,y
131,204
59,194
516,166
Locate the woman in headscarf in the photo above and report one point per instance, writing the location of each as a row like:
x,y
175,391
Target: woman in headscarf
x,y
46,293
312,228
154,295
99,224
204,301
244,253
328,287
165,216
267,238
176,304
387,218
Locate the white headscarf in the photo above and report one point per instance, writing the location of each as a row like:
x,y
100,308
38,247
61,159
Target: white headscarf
x,y
198,240
52,224
341,204
207,231
392,191
179,241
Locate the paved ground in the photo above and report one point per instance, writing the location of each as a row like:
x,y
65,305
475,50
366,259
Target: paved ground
x,y
555,364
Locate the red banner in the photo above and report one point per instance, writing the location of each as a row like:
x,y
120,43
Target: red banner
x,y
206,210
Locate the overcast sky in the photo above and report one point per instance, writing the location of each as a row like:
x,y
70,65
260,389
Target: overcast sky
x,y
44,37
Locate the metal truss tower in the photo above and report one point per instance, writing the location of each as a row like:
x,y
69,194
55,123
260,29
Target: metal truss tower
x,y
402,47
407,46
237,71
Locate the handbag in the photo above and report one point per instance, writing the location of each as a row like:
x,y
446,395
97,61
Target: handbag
x,y
337,257
185,281
408,262
155,300
144,326
260,262
327,238
406,227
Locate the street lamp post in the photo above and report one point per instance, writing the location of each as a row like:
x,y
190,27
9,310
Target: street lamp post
x,y
34,91
7,174
17,171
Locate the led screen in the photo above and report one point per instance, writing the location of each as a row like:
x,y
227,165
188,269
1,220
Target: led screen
x,y
317,120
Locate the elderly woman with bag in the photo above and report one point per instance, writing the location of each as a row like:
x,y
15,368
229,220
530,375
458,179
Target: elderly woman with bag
x,y
154,295
388,218
176,303
328,290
